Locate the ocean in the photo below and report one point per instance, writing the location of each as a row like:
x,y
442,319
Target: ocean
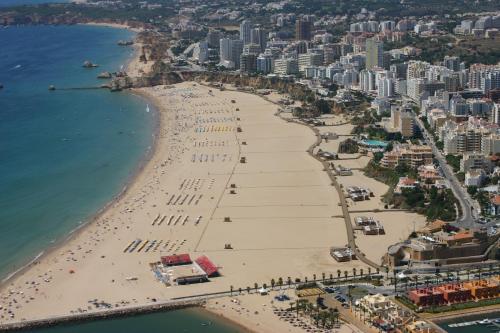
x,y
181,321
64,154
7,3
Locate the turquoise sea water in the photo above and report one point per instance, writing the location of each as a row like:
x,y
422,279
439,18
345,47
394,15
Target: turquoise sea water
x,y
63,154
182,321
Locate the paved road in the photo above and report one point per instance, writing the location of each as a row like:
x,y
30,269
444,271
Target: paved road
x,y
468,212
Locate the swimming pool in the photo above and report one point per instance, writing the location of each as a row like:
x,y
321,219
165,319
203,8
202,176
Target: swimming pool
x,y
374,143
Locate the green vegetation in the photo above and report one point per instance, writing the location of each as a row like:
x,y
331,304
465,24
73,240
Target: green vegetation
x,y
432,203
388,176
454,162
483,199
470,50
180,47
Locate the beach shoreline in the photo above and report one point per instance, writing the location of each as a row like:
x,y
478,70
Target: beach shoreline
x,y
288,186
135,173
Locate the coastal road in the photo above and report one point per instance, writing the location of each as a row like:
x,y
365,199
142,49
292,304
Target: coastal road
x,y
469,210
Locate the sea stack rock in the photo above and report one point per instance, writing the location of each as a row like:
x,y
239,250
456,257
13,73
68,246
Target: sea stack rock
x,y
88,64
104,75
125,42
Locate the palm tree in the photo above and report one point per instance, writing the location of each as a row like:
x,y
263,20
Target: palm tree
x,y
395,282
305,279
349,288
346,274
323,275
323,318
256,286
331,277
354,272
314,277
239,290
273,283
289,282
339,272
427,281
291,305
248,290
264,286
369,271
231,290
280,282
361,273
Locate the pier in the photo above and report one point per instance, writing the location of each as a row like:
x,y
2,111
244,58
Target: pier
x,y
104,314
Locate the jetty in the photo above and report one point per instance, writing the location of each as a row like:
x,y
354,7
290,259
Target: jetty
x,y
103,314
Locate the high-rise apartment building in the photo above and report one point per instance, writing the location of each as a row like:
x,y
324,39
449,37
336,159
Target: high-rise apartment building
x,y
303,29
245,28
374,53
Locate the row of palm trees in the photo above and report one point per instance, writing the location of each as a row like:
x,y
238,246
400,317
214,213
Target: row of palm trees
x,y
280,282
450,275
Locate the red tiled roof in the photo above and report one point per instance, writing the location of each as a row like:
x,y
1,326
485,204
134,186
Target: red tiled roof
x,y
207,265
496,200
176,259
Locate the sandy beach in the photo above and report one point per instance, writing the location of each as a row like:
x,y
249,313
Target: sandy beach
x,y
280,222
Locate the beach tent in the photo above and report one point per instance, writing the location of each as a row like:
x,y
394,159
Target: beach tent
x,y
263,291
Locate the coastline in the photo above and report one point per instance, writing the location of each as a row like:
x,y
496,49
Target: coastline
x,y
290,164
113,25
135,173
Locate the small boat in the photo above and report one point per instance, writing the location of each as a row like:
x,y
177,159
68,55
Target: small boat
x,y
484,321
147,108
52,88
